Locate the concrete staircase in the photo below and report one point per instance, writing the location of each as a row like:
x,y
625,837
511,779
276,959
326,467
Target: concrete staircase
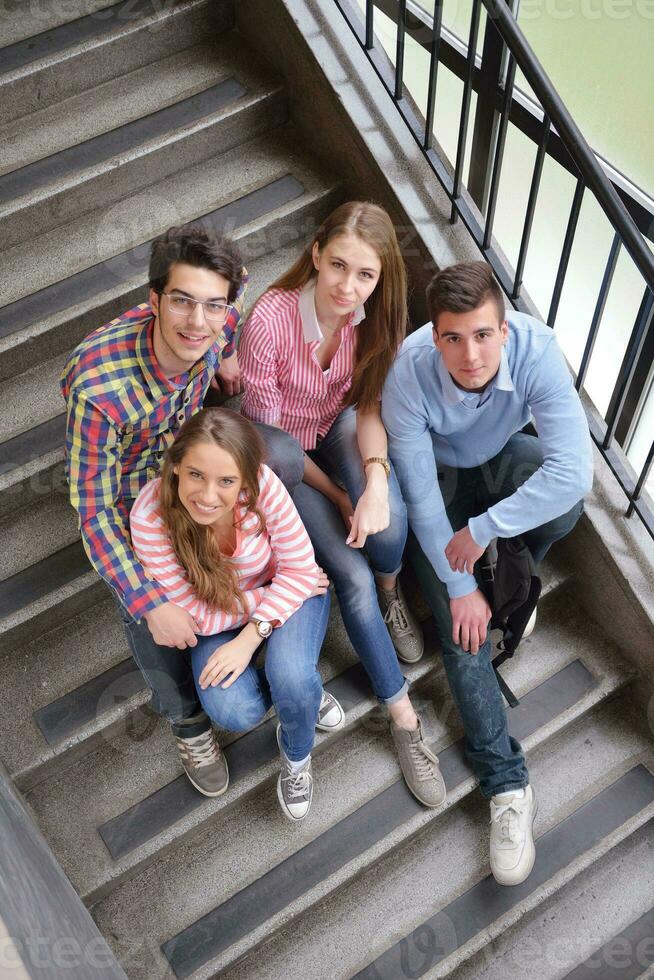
x,y
116,123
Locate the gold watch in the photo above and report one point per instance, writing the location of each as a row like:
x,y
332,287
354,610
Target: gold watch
x,y
382,462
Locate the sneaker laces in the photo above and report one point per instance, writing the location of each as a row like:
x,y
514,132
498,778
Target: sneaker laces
x,y
200,750
423,762
299,783
395,616
506,816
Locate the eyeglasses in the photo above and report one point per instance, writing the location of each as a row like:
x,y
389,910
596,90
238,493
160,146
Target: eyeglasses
x,y
185,306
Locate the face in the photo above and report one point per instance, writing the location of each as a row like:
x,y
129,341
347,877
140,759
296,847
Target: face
x,y
471,345
179,340
348,271
208,483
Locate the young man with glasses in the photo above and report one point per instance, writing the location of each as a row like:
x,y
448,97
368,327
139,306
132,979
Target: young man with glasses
x,y
455,404
129,386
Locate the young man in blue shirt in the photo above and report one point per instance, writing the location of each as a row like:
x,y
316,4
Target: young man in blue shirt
x,y
454,405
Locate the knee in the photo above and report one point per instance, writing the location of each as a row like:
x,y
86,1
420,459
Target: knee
x,y
285,457
355,585
231,712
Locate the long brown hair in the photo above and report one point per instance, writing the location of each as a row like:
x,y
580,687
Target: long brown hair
x,y
386,307
210,573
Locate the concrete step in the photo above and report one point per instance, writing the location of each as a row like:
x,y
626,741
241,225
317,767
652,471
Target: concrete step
x,y
91,689
273,198
593,927
43,69
30,536
218,898
19,23
136,806
238,103
430,905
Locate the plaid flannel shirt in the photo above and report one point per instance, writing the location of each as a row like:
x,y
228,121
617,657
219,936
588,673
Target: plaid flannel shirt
x,y
122,414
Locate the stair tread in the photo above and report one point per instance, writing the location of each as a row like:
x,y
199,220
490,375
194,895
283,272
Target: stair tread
x,y
97,237
112,790
16,27
434,869
118,102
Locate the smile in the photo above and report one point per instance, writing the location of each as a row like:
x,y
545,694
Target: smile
x,y
192,338
203,507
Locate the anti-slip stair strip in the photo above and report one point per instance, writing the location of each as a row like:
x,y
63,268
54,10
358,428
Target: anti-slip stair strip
x,y
43,577
68,714
35,442
353,835
124,139
624,957
474,911
160,811
84,285
75,32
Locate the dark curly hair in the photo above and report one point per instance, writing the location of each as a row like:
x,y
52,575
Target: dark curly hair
x,y
197,245
462,288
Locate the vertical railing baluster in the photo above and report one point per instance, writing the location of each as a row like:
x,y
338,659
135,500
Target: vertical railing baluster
x,y
465,106
499,153
642,479
634,347
607,279
370,37
566,251
399,51
531,206
434,52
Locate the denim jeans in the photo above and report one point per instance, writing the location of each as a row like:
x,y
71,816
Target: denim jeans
x,y
496,758
289,680
169,675
338,455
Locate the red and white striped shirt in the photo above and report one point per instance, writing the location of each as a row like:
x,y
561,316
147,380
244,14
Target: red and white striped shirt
x,y
284,383
276,569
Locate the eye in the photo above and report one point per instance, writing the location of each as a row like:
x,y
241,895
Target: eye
x,y
181,301
367,275
195,475
337,265
227,481
215,307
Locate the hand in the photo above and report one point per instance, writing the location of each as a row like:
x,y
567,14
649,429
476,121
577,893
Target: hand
x,y
344,505
321,586
230,659
372,515
172,626
463,551
470,618
228,376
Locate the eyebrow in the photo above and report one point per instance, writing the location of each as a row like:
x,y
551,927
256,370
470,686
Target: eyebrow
x,y
212,299
196,469
454,333
337,258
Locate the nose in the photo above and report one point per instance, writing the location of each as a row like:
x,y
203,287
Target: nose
x,y
196,318
470,353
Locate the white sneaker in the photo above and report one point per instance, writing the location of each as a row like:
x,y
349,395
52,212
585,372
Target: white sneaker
x,y
531,622
512,851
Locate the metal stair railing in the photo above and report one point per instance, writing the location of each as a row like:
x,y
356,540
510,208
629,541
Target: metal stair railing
x,y
549,124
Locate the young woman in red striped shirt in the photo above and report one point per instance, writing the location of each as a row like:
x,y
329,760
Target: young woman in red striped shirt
x,y
314,354
219,532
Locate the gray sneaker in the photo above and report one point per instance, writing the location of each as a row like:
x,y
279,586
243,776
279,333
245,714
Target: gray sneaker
x,y
403,626
204,763
330,714
419,766
294,789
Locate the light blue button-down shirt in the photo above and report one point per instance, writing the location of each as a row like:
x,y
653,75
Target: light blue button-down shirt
x,y
430,421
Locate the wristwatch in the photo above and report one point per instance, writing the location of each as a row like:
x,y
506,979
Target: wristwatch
x,y
382,462
263,628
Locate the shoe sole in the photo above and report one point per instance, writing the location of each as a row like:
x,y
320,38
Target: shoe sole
x,y
405,660
331,728
432,806
509,884
287,813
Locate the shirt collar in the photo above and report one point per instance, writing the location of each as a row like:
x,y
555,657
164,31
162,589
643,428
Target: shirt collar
x,y
455,395
307,310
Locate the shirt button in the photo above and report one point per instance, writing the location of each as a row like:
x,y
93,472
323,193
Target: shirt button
x,y
180,417
187,399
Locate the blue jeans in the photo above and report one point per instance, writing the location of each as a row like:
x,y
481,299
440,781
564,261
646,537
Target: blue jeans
x,y
496,758
289,680
338,455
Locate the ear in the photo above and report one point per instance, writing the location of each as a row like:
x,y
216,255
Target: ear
x,y
434,333
504,330
154,302
176,470
315,255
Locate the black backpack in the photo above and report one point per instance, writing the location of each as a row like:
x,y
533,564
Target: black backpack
x,y
512,588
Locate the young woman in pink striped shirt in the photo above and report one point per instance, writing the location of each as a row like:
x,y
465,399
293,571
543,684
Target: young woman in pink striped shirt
x,y
314,354
220,533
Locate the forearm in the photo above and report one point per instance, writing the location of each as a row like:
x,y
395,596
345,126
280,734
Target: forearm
x,y
318,479
372,440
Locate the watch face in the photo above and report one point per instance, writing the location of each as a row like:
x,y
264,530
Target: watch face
x,y
264,629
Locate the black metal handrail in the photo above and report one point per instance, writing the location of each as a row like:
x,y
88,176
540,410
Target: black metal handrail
x,y
557,135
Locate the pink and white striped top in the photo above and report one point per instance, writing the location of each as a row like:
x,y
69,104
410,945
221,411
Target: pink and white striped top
x,y
276,569
284,383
